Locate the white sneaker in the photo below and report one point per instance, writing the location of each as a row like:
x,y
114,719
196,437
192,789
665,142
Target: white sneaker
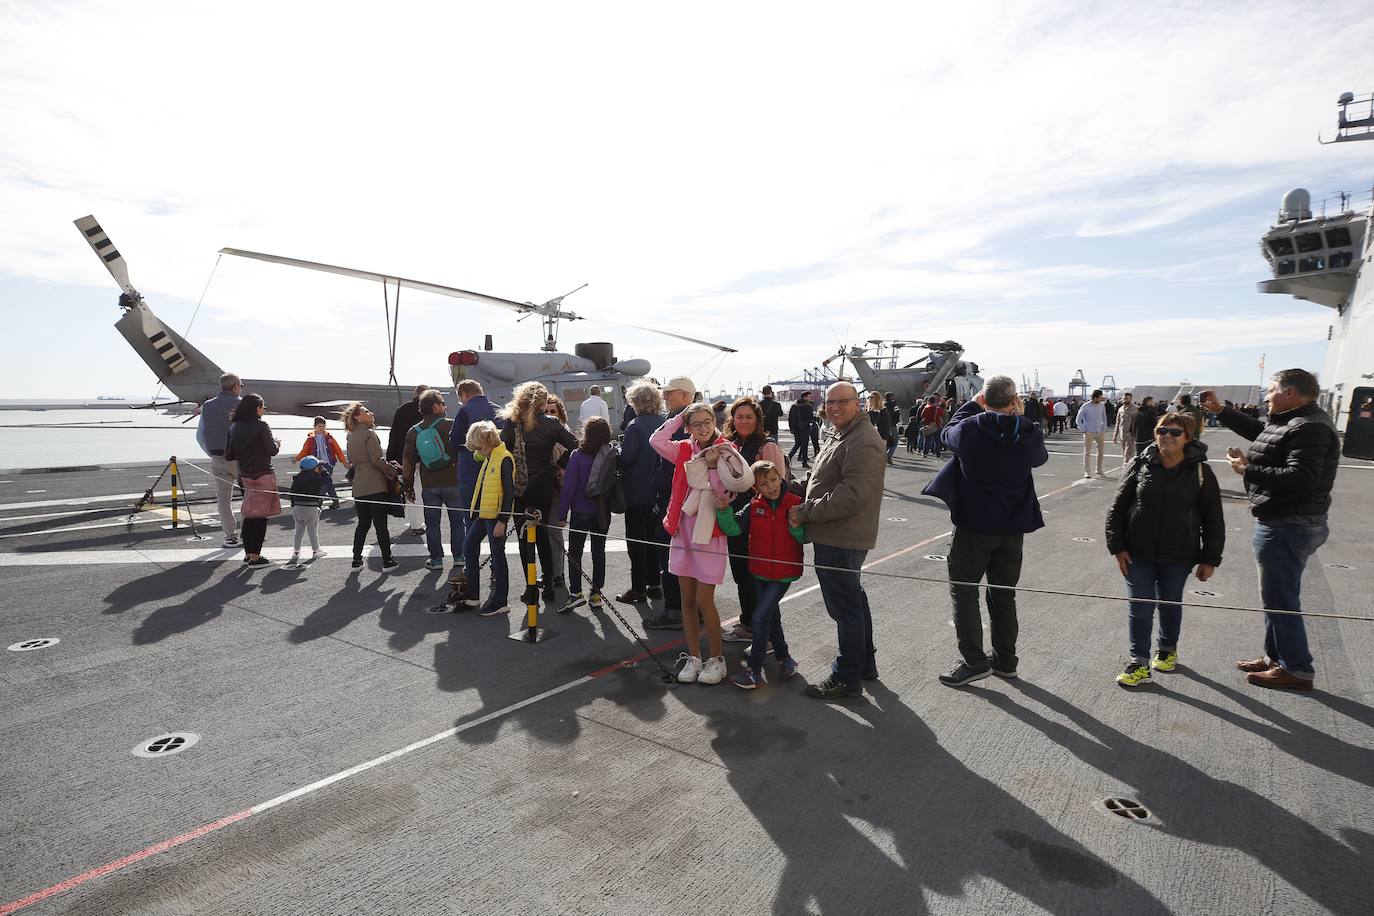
x,y
294,562
691,668
319,555
713,672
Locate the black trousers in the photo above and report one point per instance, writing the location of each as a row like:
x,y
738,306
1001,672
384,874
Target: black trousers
x,y
744,579
971,557
539,493
640,522
800,441
253,532
371,515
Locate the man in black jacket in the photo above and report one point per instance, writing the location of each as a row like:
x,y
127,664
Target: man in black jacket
x,y
799,419
405,417
1145,419
1289,472
772,412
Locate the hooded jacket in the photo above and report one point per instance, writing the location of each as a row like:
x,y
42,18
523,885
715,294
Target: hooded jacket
x,y
1168,515
988,485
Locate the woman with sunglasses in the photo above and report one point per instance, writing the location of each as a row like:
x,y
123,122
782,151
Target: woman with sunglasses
x,y
1165,518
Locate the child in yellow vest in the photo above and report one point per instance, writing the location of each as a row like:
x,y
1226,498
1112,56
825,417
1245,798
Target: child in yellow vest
x,y
492,498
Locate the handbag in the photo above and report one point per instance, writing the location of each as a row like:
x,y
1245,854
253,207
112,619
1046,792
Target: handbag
x,y
929,430
397,507
260,496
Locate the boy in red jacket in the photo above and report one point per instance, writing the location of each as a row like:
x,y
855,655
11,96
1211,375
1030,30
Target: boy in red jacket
x,y
775,558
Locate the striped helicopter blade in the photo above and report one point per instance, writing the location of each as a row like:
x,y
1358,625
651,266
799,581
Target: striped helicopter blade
x,y
105,250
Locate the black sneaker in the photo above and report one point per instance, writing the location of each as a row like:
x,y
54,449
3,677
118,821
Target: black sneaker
x,y
870,673
630,596
1008,672
260,561
357,563
390,563
663,622
832,688
653,591
964,673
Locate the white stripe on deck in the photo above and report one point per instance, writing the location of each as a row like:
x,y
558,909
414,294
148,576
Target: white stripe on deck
x,y
173,555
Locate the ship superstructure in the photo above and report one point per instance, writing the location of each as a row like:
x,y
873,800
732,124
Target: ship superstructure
x,y
1325,259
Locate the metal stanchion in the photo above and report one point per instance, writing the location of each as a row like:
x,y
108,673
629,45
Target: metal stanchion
x,y
531,631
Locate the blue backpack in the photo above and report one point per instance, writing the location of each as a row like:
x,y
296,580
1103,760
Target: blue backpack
x,y
432,448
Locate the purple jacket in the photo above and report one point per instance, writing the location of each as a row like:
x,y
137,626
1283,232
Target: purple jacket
x,y
574,493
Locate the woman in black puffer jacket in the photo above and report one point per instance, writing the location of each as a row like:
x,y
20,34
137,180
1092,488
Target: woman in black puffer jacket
x,y
531,436
1165,518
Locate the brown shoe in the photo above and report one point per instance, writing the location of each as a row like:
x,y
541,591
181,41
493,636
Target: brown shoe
x,y
1277,677
1259,664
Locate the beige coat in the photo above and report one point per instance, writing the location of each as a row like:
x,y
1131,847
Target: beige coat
x,y
845,492
370,469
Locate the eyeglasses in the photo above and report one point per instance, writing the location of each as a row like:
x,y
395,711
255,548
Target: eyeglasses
x,y
1169,431
701,424
836,402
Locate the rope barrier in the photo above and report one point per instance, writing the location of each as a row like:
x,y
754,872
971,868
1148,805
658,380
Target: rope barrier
x,y
914,578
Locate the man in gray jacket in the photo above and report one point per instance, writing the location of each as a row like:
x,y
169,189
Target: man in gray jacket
x,y
213,434
840,512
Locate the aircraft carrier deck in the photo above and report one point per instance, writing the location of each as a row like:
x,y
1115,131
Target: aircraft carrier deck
x,y
359,755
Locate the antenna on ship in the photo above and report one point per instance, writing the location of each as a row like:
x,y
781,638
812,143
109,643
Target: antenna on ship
x,y
1355,120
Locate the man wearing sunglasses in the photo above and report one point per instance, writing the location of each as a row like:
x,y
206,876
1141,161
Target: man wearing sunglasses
x,y
1289,472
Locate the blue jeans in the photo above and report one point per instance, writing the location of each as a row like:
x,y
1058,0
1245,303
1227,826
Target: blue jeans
x,y
465,488
1281,552
1151,582
847,604
433,498
500,576
766,623
328,489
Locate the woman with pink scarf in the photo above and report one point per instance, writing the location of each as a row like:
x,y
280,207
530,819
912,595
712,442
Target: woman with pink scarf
x,y
706,469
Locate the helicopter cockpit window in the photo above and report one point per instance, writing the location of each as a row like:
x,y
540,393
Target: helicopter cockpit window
x,y
1338,237
1281,245
1341,259
1310,241
1284,267
1314,262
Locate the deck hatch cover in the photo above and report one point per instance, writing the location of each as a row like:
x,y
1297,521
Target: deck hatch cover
x,y
28,645
1126,809
166,745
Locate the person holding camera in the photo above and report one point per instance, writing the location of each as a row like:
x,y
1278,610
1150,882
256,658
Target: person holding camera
x,y
1289,472
991,497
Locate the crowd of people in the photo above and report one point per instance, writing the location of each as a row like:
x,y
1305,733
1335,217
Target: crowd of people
x,y
707,487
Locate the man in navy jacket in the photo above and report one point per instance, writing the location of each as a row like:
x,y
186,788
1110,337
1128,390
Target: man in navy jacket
x,y
475,407
991,497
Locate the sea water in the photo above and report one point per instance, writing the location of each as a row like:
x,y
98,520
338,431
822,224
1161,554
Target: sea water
x,y
61,438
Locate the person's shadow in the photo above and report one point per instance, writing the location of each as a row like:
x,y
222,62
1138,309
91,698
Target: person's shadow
x,y
350,603
1201,808
199,607
870,813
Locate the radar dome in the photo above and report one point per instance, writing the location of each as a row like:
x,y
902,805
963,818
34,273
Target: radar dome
x,y
1297,204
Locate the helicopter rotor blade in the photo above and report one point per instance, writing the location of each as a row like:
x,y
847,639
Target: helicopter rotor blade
x,y
105,250
705,343
421,285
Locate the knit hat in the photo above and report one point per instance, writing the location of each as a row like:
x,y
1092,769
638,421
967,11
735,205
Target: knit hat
x,y
309,463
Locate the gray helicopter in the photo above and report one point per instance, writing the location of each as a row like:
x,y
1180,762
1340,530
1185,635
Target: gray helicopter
x,y
939,372
193,377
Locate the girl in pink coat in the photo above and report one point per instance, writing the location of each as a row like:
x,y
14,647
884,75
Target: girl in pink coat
x,y
706,469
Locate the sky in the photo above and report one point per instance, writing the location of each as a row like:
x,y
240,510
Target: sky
x,y
1057,186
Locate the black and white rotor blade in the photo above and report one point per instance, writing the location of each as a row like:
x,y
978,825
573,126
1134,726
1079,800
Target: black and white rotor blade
x,y
386,278
105,250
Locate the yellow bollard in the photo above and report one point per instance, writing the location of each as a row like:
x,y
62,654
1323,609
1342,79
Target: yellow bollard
x,y
531,631
173,466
